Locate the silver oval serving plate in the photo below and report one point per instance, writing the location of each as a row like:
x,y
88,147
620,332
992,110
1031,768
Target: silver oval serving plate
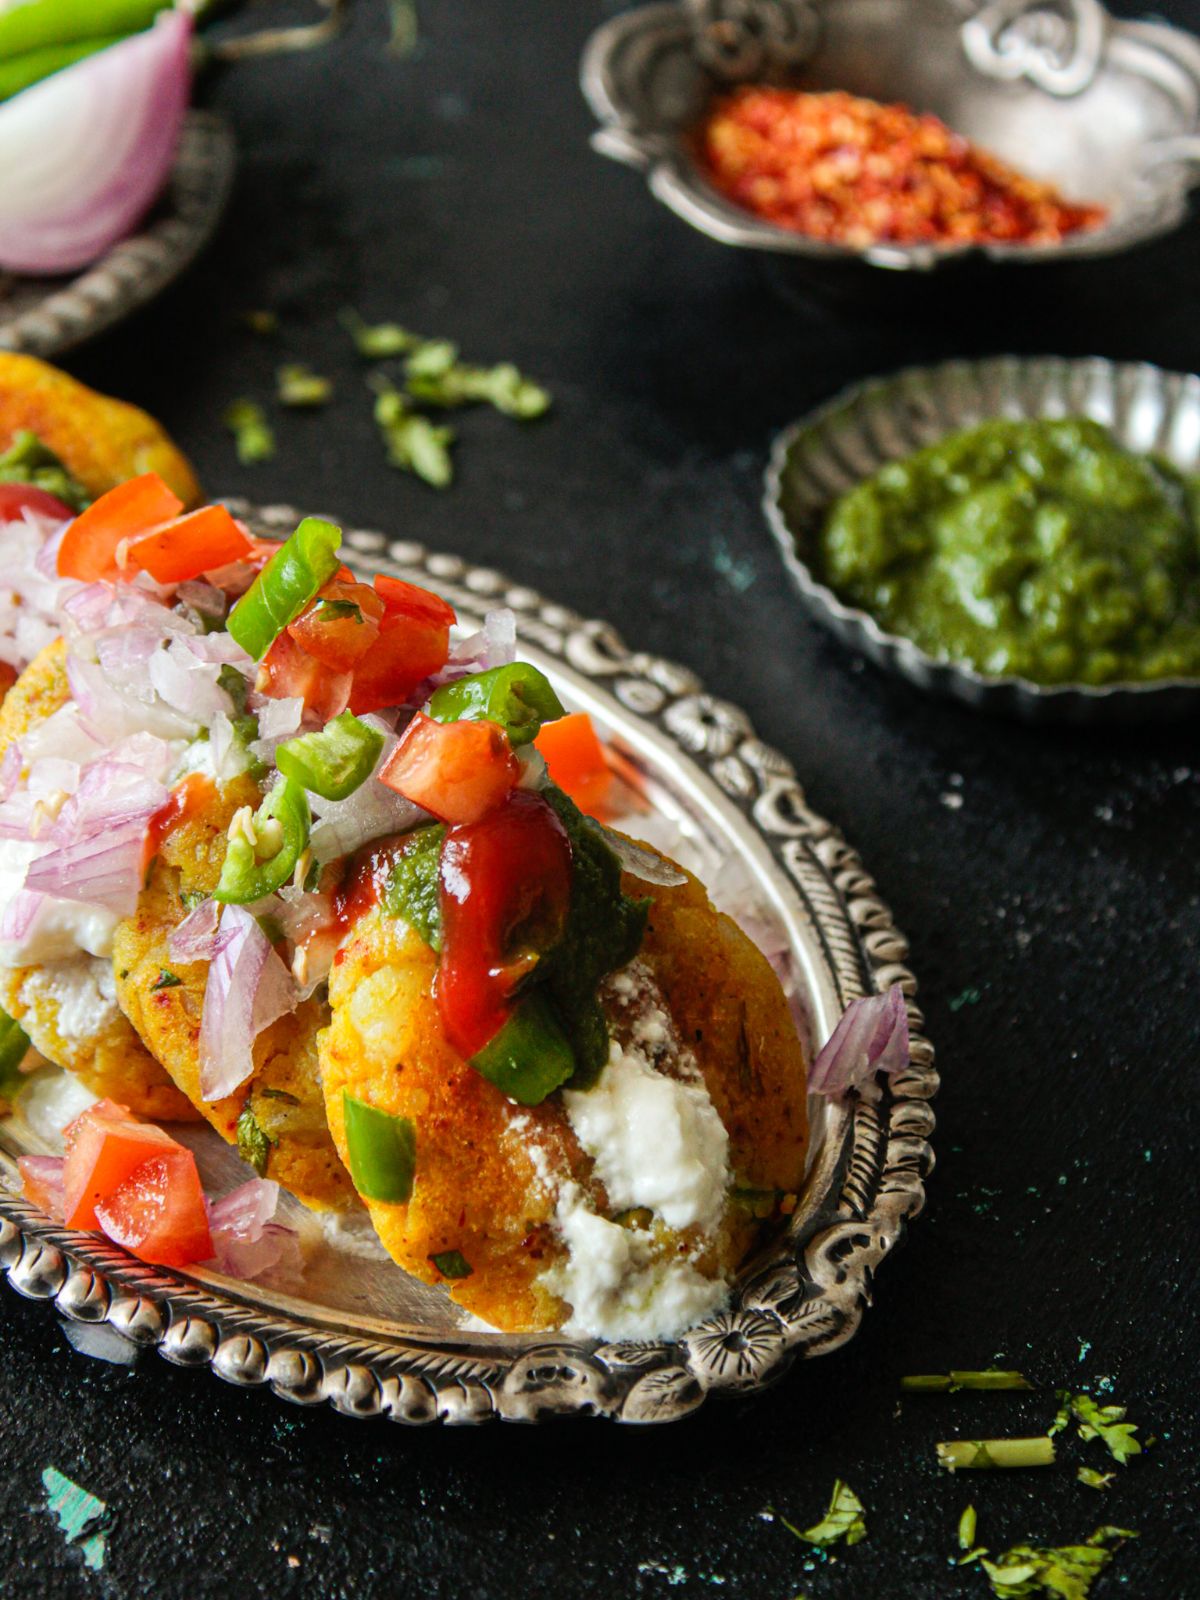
x,y
851,437
45,316
1107,110
363,1336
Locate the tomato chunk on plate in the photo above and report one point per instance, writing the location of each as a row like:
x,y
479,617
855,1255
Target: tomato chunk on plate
x,y
158,1212
456,770
104,1145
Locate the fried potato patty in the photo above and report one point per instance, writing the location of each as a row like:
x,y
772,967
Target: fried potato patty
x,y
68,1008
284,1094
488,1170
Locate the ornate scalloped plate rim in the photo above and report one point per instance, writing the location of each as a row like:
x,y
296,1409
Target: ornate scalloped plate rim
x,y
679,184
851,624
138,268
804,1297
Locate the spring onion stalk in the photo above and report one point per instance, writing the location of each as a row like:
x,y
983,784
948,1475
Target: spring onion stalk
x,y
382,1151
950,1382
961,1454
293,576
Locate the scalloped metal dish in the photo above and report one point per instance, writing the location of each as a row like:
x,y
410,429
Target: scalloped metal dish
x,y
696,759
1108,110
45,316
869,424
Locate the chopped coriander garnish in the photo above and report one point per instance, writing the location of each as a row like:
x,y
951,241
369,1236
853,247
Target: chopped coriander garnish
x,y
966,1529
280,1094
165,980
956,1454
843,1520
378,341
1099,1422
235,686
299,386
452,1264
1094,1479
253,1144
1066,1572
414,444
951,1382
28,460
252,434
339,611
436,378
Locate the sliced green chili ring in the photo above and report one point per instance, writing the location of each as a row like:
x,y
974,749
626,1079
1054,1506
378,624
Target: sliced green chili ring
x,y
452,1264
382,1150
334,762
244,878
518,697
14,1047
530,1057
293,576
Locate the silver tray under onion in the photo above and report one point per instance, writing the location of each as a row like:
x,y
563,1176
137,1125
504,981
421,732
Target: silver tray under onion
x,y
46,316
853,436
362,1335
1107,110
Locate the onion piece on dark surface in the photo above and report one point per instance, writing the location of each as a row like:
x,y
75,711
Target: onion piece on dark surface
x,y
871,1037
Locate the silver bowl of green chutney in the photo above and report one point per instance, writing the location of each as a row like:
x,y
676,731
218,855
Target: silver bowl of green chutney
x,y
847,441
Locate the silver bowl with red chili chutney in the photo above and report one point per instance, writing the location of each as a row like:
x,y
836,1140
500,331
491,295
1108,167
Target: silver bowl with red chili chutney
x,y
1016,131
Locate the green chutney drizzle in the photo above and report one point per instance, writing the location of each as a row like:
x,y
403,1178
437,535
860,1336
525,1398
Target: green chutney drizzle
x,y
1037,549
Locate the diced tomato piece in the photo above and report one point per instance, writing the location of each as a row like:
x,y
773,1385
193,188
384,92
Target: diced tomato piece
x,y
158,1211
574,758
104,1145
456,770
340,625
199,542
404,655
286,670
42,1183
89,547
8,676
16,498
506,890
402,599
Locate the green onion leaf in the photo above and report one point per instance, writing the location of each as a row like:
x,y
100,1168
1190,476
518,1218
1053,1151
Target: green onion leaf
x,y
334,762
951,1382
382,1150
959,1454
452,1264
251,431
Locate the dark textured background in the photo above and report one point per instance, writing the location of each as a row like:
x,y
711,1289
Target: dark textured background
x,y
455,192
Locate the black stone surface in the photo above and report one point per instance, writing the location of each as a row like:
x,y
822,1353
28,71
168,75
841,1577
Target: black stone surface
x,y
1054,912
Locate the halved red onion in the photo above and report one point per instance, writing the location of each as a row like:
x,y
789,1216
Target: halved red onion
x,y
85,152
196,937
871,1037
248,989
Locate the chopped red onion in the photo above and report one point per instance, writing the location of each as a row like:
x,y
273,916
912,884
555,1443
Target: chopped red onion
x,y
187,683
370,812
10,770
86,151
871,1037
495,645
47,1171
101,1341
196,937
16,918
104,871
248,989
202,597
46,561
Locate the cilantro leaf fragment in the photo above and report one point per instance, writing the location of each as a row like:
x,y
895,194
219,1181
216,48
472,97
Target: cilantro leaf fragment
x,y
414,444
251,432
1094,1479
379,341
300,387
253,1144
844,1521
1066,1571
1099,1422
435,377
165,980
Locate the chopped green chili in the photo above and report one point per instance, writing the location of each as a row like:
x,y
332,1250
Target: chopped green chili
x,y
293,576
251,431
452,1264
382,1149
14,1047
165,980
530,1057
334,762
518,697
281,826
27,460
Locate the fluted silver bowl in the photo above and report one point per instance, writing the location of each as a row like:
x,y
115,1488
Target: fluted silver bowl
x,y
1107,110
849,439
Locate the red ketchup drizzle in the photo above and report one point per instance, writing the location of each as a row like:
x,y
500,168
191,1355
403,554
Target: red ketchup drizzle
x,y
187,798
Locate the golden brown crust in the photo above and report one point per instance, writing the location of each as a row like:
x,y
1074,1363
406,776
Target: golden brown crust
x,y
100,441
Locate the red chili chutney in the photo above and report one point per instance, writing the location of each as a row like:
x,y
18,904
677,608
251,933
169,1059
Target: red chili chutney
x,y
855,172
